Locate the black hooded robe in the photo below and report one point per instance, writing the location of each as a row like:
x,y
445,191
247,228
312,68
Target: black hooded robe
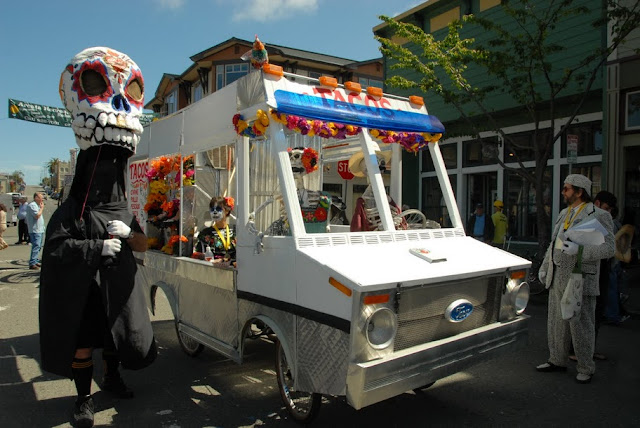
x,y
72,261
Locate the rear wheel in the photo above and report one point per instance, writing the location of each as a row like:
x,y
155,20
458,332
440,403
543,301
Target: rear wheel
x,y
423,387
302,406
190,346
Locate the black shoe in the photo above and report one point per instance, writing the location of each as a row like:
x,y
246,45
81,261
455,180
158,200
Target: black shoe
x,y
83,412
550,367
117,387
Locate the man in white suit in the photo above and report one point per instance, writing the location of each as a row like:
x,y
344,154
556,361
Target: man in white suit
x,y
558,271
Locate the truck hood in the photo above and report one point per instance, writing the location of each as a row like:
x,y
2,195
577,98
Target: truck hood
x,y
369,267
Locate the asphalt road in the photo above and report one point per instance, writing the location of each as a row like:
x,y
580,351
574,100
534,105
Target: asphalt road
x,y
211,391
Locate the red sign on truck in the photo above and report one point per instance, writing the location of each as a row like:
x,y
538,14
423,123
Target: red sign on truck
x,y
343,170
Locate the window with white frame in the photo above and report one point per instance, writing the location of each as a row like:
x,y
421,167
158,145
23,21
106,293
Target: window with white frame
x,y
171,102
197,92
632,111
229,73
366,82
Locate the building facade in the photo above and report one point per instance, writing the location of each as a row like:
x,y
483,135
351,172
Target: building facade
x,y
221,65
603,148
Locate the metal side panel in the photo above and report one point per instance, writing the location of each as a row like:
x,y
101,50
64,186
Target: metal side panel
x,y
323,353
202,297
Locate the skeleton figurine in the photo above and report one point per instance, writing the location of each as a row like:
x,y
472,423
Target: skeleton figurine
x,y
366,216
314,204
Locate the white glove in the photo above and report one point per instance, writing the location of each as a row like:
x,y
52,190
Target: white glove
x,y
570,248
111,247
118,228
542,276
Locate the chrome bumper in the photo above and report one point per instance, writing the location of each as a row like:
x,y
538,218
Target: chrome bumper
x,y
377,380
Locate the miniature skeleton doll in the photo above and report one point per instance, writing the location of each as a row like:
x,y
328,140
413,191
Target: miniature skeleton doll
x,y
366,216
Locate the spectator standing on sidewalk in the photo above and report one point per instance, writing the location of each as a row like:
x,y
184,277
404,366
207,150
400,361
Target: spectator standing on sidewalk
x,y
35,223
574,268
480,225
23,231
500,223
3,225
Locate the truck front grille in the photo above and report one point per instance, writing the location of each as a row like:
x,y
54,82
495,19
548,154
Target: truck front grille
x,y
421,310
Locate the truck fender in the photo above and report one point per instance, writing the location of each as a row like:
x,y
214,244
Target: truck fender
x,y
168,291
285,341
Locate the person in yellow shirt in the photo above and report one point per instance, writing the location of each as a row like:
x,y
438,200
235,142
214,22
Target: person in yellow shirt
x,y
500,223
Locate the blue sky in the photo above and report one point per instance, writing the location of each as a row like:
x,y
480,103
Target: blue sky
x,y
38,37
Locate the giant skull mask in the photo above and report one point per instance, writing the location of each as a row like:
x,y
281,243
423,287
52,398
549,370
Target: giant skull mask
x,y
104,91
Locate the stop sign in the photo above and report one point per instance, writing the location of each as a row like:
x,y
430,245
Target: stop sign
x,y
343,170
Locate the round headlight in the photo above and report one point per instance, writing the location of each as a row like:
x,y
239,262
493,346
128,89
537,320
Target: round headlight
x,y
521,298
381,328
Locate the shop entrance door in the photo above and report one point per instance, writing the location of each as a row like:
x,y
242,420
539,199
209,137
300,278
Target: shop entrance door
x,y
482,188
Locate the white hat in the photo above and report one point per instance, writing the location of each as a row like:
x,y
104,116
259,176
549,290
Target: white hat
x,y
358,167
579,180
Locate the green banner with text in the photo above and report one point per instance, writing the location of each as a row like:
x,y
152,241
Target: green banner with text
x,y
51,115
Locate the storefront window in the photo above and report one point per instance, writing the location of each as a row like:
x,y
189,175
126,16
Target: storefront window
x,y
521,146
433,205
480,152
449,155
520,204
589,137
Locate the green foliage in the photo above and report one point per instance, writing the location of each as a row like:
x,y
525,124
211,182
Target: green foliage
x,y
522,55
17,176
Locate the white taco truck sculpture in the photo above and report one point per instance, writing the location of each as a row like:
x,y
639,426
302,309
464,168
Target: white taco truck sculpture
x,y
362,314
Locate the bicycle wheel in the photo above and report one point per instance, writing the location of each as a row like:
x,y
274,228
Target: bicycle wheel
x,y
190,346
414,218
302,406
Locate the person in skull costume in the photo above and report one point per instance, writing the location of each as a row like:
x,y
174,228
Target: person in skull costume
x,y
219,237
562,260
88,295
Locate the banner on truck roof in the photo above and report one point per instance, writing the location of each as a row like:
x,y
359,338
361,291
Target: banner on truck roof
x,y
338,105
47,115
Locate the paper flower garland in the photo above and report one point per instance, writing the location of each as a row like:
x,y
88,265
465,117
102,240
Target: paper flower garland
x,y
171,246
164,176
412,142
258,128
309,160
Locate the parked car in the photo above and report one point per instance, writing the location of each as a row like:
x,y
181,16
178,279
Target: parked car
x,y
15,198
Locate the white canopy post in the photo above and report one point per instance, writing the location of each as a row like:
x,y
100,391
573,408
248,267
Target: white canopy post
x,y
396,174
375,180
445,184
287,183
